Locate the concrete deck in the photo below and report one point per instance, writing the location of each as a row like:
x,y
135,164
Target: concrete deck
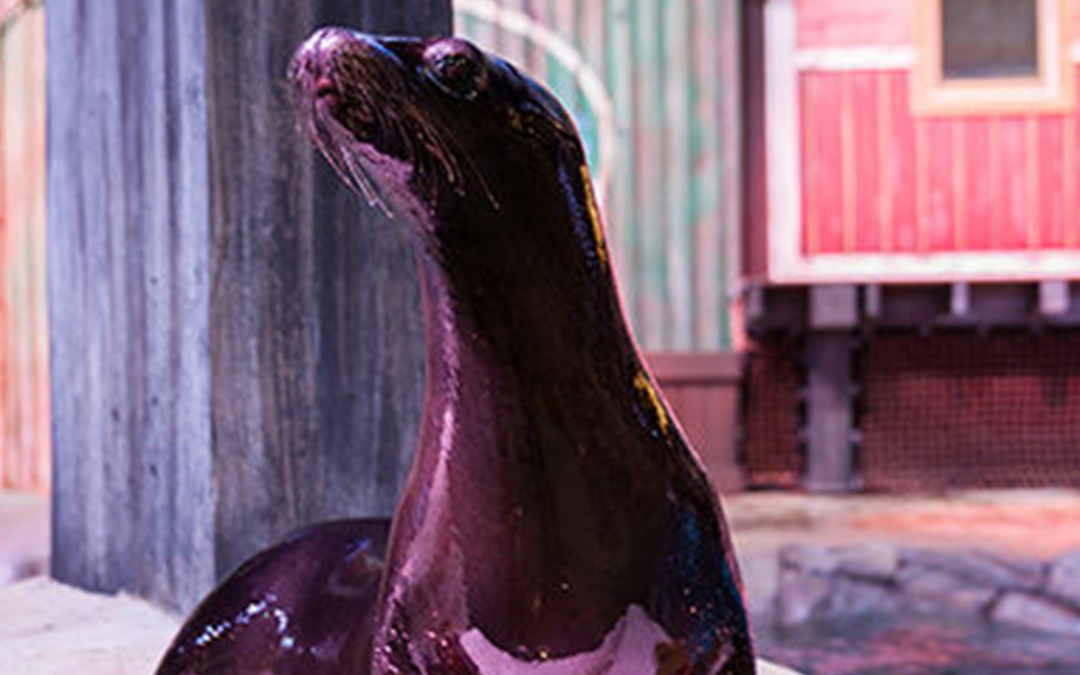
x,y
49,629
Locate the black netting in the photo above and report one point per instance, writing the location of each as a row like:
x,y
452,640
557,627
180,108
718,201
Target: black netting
x,y
771,451
963,410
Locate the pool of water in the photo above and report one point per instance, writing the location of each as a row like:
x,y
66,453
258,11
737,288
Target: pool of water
x,y
918,646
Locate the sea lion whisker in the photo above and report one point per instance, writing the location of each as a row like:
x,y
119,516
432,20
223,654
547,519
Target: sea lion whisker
x,y
369,186
449,153
338,148
336,163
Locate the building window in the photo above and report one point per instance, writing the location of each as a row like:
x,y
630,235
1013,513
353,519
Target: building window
x,y
992,56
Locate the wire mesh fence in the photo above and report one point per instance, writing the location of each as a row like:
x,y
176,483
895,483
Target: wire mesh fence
x,y
964,410
772,454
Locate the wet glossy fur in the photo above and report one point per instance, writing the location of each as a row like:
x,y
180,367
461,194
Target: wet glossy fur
x,y
553,498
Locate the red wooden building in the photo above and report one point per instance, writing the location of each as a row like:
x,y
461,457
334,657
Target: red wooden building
x,y
912,234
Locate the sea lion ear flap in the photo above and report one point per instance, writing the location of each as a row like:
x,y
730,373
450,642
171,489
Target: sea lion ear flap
x,y
547,106
457,67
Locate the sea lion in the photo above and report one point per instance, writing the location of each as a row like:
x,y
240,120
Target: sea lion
x,y
302,607
555,521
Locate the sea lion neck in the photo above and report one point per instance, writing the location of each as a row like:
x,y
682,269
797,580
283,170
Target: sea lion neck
x,y
526,291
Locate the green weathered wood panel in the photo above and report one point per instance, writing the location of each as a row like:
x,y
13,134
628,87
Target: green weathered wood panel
x,y
670,69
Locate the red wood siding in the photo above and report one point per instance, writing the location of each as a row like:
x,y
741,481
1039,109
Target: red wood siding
x,y
850,23
24,421
878,180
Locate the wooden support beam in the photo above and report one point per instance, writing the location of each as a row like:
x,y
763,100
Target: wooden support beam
x,y
959,300
872,301
1054,298
830,457
834,307
236,341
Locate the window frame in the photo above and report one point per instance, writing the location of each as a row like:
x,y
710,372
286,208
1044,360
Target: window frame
x,y
1052,90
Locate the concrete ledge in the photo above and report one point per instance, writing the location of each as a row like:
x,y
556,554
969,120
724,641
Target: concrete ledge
x,y
52,629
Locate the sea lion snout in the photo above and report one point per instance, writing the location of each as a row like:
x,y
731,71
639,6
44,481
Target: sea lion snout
x,y
332,62
389,113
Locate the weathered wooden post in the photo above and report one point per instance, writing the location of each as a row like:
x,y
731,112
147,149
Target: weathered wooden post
x,y
830,461
235,351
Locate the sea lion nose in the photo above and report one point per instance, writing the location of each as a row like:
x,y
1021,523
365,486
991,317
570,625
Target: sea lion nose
x,y
325,41
311,59
328,42
326,49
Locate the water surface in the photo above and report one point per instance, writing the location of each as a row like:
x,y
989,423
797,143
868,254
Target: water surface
x,y
919,646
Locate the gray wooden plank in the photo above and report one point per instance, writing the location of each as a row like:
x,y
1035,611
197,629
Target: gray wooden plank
x,y
236,343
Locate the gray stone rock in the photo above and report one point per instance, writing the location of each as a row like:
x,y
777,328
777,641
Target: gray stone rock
x,y
872,562
836,582
934,590
805,559
1022,609
1063,582
977,568
799,596
850,597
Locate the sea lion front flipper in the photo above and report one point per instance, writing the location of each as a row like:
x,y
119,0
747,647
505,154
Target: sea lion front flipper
x,y
304,606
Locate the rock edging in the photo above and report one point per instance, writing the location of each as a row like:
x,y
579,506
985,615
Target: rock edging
x,y
850,581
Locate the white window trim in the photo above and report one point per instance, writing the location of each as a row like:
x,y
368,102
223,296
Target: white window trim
x,y
1051,91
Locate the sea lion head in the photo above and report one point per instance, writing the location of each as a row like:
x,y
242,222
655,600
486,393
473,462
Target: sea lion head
x,y
484,165
435,127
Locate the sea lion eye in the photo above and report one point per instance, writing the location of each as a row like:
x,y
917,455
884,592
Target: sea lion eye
x,y
457,68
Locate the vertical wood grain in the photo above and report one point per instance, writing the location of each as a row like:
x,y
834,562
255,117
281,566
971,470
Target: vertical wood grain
x,y
959,185
902,155
1072,222
679,206
922,186
1013,183
24,419
849,179
938,216
887,169
128,201
979,190
236,341
996,217
829,146
930,184
812,172
1051,198
710,189
650,302
727,140
866,229
1032,190
621,210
